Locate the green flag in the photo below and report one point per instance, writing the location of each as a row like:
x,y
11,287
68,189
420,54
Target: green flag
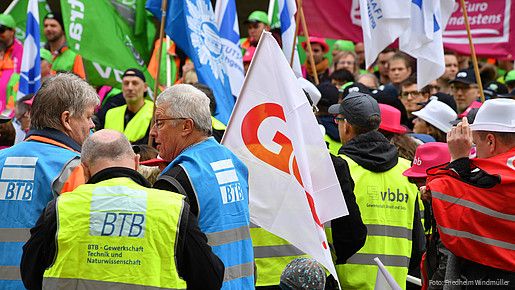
x,y
106,40
19,12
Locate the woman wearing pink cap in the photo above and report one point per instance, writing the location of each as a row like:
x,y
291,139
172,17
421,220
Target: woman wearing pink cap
x,y
434,262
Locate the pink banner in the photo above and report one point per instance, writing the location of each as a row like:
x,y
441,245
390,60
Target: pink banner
x,y
490,21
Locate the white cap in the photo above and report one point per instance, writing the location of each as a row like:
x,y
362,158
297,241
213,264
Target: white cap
x,y
310,88
495,115
438,114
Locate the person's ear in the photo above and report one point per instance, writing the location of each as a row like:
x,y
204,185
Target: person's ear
x,y
187,127
87,172
409,69
492,143
65,121
136,161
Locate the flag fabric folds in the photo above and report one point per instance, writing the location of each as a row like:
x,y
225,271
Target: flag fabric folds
x,y
384,280
18,10
30,74
227,22
423,39
106,41
287,10
293,188
382,23
191,25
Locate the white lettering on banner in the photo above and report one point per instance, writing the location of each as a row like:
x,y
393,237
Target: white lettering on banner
x,y
118,211
76,28
490,23
106,74
374,12
230,187
17,178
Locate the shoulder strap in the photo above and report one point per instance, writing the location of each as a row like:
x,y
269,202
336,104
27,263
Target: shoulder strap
x,y
174,182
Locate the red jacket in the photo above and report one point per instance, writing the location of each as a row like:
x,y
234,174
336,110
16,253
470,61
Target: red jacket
x,y
477,223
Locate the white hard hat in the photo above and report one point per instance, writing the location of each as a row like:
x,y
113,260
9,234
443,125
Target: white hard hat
x,y
495,115
311,89
438,114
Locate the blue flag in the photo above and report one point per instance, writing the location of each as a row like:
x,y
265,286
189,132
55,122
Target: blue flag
x,y
191,25
227,21
30,75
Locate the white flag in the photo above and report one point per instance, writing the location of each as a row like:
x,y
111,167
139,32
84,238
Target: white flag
x,y
293,188
384,280
287,10
382,21
423,38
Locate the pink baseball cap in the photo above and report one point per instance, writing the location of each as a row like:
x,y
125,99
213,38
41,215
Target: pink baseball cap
x,y
428,155
391,120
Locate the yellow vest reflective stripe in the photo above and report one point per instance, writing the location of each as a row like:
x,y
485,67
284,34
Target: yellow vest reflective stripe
x,y
271,255
217,125
387,204
116,234
334,146
137,126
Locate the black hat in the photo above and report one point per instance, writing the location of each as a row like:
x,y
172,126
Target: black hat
x,y
329,94
4,119
356,88
57,17
357,108
389,97
465,76
493,89
134,72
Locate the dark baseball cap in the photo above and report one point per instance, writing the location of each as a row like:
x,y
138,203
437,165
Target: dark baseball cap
x,y
134,72
494,89
55,16
357,108
4,119
465,76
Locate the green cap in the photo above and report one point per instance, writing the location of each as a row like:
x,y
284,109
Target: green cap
x,y
46,55
7,20
258,16
510,76
343,45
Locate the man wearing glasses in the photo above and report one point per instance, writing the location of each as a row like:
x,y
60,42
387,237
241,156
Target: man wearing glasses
x,y
212,177
411,97
465,91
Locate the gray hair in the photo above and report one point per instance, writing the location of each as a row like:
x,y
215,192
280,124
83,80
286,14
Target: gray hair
x,y
186,101
63,92
370,76
106,144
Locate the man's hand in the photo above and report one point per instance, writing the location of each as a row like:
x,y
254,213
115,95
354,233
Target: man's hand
x,y
459,140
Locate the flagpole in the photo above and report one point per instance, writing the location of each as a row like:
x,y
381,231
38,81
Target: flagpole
x,y
306,34
473,51
159,54
297,22
11,6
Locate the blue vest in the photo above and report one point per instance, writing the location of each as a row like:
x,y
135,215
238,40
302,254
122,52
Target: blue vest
x,y
219,180
27,171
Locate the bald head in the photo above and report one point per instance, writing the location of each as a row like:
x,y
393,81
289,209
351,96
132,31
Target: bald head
x,y
107,148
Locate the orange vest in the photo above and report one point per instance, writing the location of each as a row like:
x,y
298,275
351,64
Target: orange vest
x,y
477,223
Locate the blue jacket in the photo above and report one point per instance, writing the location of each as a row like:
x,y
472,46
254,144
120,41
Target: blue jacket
x,y
29,178
219,180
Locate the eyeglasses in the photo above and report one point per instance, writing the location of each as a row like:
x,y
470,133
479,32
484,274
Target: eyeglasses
x,y
338,119
346,62
457,87
412,93
159,123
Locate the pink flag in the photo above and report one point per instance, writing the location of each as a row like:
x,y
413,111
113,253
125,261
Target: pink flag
x,y
293,188
492,24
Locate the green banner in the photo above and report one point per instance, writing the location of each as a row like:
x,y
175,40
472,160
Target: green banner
x,y
109,37
19,13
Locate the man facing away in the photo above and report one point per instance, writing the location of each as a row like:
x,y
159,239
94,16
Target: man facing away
x,y
115,232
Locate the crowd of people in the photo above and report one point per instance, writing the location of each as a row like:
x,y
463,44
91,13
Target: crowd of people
x,y
427,176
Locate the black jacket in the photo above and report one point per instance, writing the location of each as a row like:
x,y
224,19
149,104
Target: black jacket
x,y
196,263
375,153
